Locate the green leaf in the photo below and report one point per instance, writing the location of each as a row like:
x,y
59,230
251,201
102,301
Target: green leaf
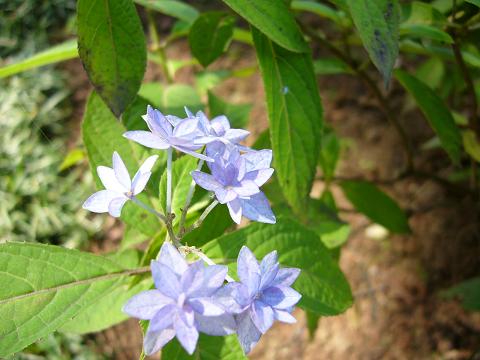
x,y
176,9
312,323
73,157
417,12
323,286
329,154
208,348
469,293
295,116
210,36
206,80
237,114
65,51
102,135
44,286
330,66
273,19
322,10
376,205
425,32
112,47
177,96
377,24
181,181
471,144
132,237
436,112
474,2
107,311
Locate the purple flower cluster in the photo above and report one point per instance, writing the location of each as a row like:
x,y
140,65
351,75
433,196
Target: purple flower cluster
x,y
192,298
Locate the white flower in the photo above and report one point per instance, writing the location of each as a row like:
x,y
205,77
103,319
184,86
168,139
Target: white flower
x,y
119,188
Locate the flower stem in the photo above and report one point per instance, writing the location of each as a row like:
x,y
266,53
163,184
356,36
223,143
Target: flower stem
x,y
169,181
191,191
203,216
149,209
205,258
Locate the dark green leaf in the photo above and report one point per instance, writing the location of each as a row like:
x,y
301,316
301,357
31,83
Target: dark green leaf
x,y
312,323
237,114
436,112
474,2
44,286
102,135
323,286
112,47
377,23
295,116
469,293
376,205
273,19
210,36
330,66
323,10
208,348
423,31
329,154
176,9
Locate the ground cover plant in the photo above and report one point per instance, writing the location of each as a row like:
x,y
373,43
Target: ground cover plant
x,y
232,238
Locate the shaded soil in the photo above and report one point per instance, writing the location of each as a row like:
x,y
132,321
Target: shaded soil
x,y
398,313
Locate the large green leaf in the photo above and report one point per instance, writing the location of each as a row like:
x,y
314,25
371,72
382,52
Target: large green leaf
x,y
436,112
210,36
322,284
377,24
323,10
62,52
112,47
469,293
107,311
376,205
295,116
44,286
474,2
208,348
174,8
425,31
273,19
102,135
236,113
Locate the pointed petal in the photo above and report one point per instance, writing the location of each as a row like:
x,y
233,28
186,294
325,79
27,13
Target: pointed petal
x,y
155,340
206,307
225,196
192,276
186,335
193,153
216,325
146,304
206,181
247,332
139,182
284,316
116,205
109,180
170,257
262,316
247,188
204,282
233,297
236,135
248,270
188,112
147,139
148,164
280,297
257,160
286,277
186,128
174,120
260,177
163,319
166,281
257,208
99,201
235,210
121,171
268,269
220,124
157,123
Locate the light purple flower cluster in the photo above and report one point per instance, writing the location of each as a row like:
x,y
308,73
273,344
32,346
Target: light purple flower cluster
x,y
191,298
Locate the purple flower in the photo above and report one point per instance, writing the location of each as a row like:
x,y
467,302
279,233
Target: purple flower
x,y
218,129
183,302
169,131
236,179
263,296
119,188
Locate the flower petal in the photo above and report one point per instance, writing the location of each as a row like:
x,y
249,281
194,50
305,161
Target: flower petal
x,y
262,316
247,332
157,123
146,304
163,319
220,124
121,171
235,210
166,281
280,297
248,270
148,164
236,135
206,307
155,340
216,325
225,196
260,177
206,181
187,128
147,139
268,269
247,188
257,160
170,257
186,335
116,205
286,277
206,281
233,297
257,208
139,182
284,316
99,201
193,153
109,180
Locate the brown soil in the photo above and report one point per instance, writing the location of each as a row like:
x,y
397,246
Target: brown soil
x,y
397,313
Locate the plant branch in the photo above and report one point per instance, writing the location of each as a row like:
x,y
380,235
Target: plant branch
x,y
191,191
203,216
